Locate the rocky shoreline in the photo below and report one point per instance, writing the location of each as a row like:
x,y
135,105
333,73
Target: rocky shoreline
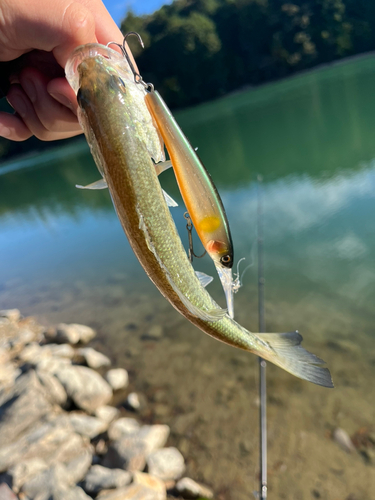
x,y
60,436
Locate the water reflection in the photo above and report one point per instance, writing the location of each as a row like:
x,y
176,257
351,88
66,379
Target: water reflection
x,y
64,257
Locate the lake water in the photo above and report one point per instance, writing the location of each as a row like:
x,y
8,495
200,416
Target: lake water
x,y
64,258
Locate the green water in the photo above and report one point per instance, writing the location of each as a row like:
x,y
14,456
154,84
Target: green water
x,y
64,258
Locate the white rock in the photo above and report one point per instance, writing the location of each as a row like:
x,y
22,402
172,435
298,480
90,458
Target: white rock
x,y
167,463
31,353
341,437
54,442
20,407
154,436
93,358
23,471
8,374
133,401
101,478
58,350
11,314
86,387
52,365
107,413
117,378
188,488
86,425
24,336
4,355
126,453
123,427
53,484
152,482
55,390
73,333
132,492
78,466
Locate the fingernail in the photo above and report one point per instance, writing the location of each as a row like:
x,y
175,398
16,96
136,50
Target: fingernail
x,y
30,89
62,99
4,131
18,103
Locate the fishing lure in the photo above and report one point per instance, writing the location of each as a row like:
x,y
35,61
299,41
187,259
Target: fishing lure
x,y
198,191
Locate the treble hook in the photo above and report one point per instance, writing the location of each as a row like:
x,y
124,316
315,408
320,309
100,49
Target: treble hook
x,y
189,227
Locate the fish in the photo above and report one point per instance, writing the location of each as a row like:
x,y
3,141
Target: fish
x,y
199,193
109,112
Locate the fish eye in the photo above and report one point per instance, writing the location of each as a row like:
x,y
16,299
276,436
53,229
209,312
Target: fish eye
x,y
226,260
80,98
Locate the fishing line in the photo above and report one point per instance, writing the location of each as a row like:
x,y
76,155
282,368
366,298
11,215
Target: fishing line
x,y
262,363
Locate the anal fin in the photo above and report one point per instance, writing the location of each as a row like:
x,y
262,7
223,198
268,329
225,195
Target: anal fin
x,y
100,184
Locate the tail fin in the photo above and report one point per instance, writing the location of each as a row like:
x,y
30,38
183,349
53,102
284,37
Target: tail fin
x,y
292,357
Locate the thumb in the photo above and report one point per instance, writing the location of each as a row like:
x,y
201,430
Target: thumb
x,y
56,26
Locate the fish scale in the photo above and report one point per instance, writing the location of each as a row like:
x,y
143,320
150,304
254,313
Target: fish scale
x,y
109,122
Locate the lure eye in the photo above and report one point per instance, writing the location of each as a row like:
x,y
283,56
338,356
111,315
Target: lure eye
x,y
226,260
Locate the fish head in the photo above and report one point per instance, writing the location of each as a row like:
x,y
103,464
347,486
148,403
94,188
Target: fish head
x,y
108,57
98,73
96,76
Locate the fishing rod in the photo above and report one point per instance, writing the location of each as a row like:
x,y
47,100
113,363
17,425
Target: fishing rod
x,y
262,364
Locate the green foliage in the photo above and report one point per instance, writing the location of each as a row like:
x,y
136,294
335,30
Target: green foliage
x,y
197,50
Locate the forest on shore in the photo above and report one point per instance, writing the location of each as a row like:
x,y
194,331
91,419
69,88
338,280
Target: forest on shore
x,y
199,50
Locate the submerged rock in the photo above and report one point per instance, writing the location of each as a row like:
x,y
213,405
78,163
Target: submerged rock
x,y
71,334
154,333
101,478
341,437
166,463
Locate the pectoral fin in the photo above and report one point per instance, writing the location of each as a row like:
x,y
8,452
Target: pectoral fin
x,y
100,184
170,201
162,166
204,279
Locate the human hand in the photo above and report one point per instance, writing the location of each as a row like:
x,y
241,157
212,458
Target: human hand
x,y
44,33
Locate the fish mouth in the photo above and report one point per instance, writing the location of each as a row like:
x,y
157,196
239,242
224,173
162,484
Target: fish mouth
x,y
90,50
225,275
